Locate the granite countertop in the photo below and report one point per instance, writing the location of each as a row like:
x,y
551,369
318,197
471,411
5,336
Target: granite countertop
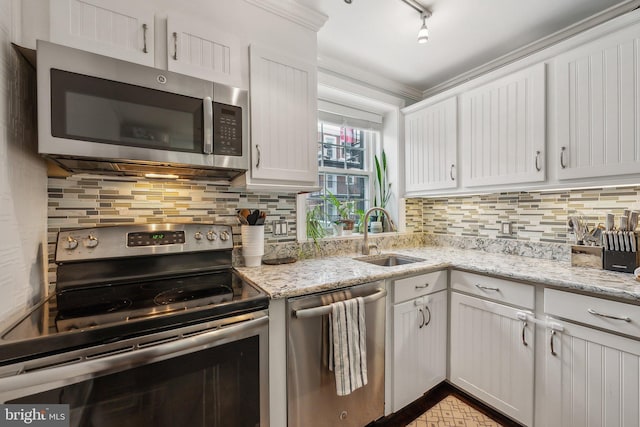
x,y
320,274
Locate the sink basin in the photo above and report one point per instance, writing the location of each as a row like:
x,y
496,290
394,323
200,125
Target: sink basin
x,y
389,260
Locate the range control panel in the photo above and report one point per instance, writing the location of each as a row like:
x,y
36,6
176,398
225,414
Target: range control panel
x,y
140,240
147,238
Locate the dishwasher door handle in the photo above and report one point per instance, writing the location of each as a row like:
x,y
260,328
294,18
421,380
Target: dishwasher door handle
x,y
326,309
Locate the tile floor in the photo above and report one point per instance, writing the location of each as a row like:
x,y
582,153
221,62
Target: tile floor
x,y
451,411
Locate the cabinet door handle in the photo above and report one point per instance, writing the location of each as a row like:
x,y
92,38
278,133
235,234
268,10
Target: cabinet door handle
x,y
144,38
426,285
487,288
538,168
609,316
553,334
429,313
524,338
453,178
562,163
175,46
259,155
422,320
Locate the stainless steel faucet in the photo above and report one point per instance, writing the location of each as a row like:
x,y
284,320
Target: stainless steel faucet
x,y
366,248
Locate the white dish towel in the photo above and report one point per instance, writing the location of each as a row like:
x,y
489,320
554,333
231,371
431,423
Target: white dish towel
x,y
348,335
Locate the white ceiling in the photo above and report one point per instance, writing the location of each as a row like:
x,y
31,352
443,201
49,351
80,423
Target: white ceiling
x,y
379,36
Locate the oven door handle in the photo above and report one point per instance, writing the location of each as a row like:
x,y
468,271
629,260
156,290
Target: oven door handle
x,y
37,381
326,309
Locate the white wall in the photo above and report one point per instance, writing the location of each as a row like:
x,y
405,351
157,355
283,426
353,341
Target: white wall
x,y
23,181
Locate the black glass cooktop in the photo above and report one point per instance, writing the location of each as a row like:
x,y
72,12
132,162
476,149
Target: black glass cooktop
x,y
77,318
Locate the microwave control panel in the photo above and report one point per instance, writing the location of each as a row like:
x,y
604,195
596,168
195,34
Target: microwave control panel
x,y
227,129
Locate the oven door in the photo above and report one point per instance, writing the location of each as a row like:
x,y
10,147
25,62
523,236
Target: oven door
x,y
190,377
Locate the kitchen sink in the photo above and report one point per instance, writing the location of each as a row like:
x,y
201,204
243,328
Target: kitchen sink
x,y
389,260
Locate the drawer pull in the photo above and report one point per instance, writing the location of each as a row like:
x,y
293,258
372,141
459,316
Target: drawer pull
x,y
524,338
429,318
553,351
609,316
487,288
425,286
423,319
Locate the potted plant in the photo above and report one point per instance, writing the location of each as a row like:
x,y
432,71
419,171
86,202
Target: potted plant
x,y
345,211
315,227
382,191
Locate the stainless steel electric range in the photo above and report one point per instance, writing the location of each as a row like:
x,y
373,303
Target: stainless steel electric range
x,y
149,325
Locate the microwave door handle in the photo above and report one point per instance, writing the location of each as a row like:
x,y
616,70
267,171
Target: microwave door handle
x,y
208,125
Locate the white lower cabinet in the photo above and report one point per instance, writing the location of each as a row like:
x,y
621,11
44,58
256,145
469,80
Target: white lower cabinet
x,y
492,355
592,376
420,347
419,336
593,379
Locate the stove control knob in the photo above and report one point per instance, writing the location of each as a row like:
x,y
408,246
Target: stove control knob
x,y
91,241
198,235
224,235
70,243
212,236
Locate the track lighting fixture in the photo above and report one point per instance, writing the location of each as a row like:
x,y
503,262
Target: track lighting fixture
x,y
423,33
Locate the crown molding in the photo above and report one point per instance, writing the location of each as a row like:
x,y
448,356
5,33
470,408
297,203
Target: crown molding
x,y
375,81
535,47
294,12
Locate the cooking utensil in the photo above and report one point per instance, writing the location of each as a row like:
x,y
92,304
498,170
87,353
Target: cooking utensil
x,y
242,220
261,218
633,220
624,223
253,217
632,241
610,222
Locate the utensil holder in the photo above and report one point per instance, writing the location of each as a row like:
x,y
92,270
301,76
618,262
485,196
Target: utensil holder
x,y
622,261
586,256
252,244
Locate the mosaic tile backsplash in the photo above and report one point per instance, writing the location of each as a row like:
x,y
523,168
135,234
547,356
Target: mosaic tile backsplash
x,y
82,201
535,216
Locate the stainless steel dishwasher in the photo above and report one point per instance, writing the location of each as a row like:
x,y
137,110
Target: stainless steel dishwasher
x,y
311,388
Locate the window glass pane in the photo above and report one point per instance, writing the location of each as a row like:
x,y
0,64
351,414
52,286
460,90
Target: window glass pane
x,y
343,150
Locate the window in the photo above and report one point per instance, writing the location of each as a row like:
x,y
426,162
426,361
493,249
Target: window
x,y
345,159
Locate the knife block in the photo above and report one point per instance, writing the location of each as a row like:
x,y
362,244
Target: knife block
x,y
624,262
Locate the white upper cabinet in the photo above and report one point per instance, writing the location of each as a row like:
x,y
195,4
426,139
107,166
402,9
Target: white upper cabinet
x,y
430,147
598,101
283,120
503,130
203,51
117,28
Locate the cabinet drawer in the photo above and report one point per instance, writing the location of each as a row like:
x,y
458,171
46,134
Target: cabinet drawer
x,y
501,290
411,287
616,316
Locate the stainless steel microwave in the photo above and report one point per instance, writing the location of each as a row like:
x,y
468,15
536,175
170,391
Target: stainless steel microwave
x,y
102,115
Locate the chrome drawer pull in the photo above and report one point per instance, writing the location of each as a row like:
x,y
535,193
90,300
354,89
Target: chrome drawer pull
x,y
538,168
562,163
175,46
487,288
524,338
429,319
144,38
426,285
453,178
609,316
